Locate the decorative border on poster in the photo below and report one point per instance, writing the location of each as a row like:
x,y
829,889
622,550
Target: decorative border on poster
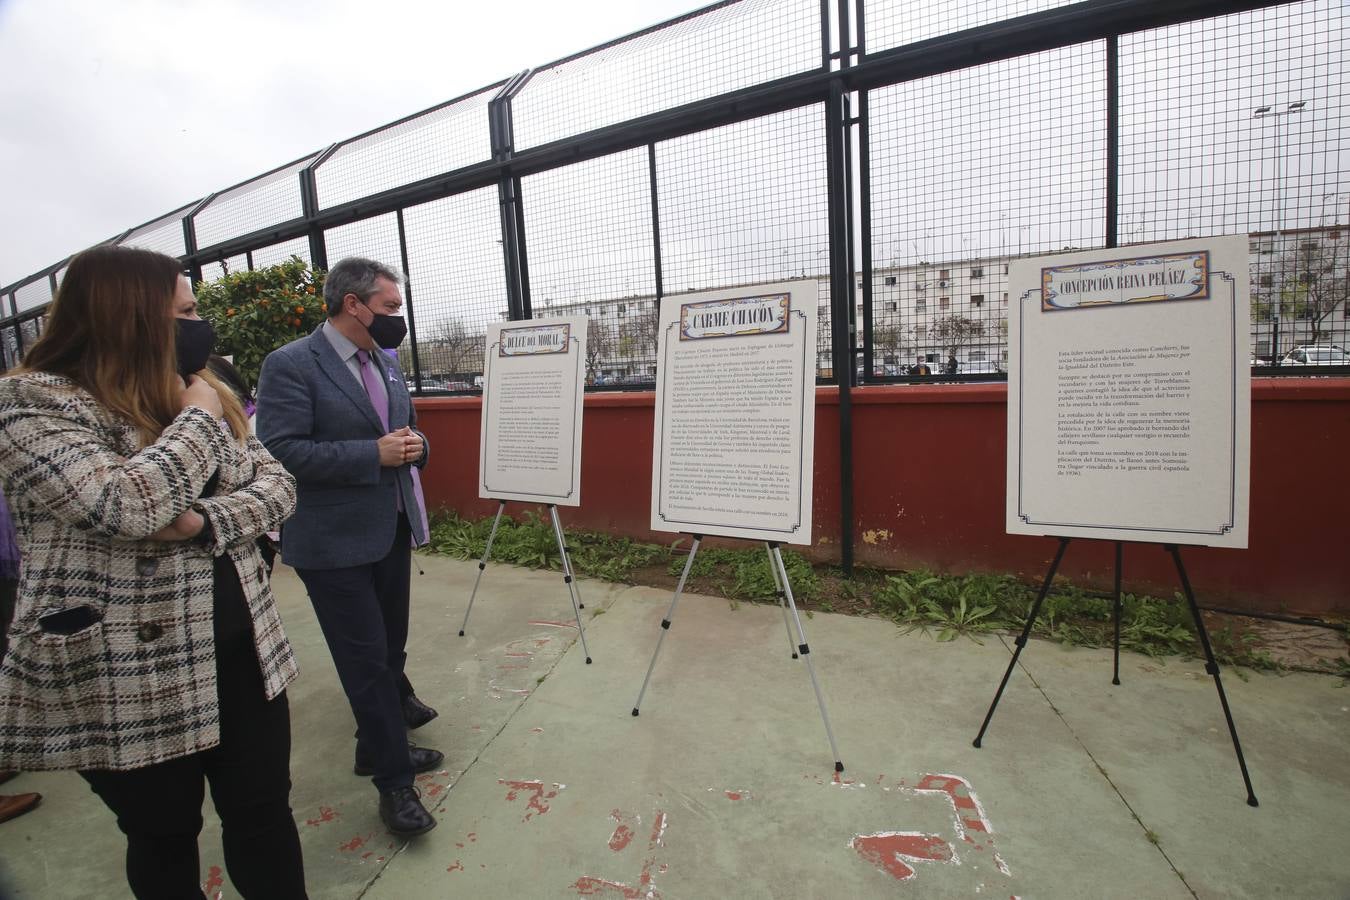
x,y
735,317
487,399
533,340
1160,278
801,457
1223,528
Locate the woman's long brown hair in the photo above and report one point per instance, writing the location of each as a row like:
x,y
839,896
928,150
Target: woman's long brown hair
x,y
111,331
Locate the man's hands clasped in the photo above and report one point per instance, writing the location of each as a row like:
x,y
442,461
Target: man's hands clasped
x,y
400,447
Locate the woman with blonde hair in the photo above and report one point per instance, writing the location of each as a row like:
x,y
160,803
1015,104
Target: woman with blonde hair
x,y
146,649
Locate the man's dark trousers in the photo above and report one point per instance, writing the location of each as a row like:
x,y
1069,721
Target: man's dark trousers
x,y
363,611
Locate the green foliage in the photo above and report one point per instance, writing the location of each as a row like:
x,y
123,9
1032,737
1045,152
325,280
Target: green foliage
x,y
256,312
948,606
530,541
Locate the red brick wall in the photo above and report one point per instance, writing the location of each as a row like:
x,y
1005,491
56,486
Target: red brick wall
x,y
929,472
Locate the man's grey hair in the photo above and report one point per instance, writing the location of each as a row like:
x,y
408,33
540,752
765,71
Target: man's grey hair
x,y
355,275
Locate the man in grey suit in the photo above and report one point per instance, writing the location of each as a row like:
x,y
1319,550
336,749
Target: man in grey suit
x,y
336,413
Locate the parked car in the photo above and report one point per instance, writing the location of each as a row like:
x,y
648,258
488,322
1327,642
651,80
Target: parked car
x,y
1316,355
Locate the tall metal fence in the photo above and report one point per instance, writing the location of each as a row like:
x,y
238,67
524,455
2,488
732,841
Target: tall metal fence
x,y
898,154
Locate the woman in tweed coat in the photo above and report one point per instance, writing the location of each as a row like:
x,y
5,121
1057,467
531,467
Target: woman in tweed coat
x,y
146,650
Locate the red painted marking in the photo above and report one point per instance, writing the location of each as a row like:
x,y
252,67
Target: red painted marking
x,y
589,886
353,845
368,854
621,838
733,795
892,853
214,879
974,825
838,780
538,802
457,867
459,845
963,802
326,814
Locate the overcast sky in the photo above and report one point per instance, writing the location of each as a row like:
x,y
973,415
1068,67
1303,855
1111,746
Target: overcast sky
x,y
112,114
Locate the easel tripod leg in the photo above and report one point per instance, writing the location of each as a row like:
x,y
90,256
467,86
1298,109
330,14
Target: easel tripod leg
x,y
1212,667
1022,638
567,577
670,614
805,651
782,599
482,564
566,557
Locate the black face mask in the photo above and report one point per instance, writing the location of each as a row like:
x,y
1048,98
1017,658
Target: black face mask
x,y
387,331
196,339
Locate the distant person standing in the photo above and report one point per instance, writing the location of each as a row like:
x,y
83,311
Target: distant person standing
x,y
920,367
336,412
951,366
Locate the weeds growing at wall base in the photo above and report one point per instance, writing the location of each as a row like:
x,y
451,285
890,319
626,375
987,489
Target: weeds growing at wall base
x,y
944,606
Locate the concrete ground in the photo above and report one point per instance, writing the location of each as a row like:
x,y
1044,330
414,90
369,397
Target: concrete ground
x,y
725,787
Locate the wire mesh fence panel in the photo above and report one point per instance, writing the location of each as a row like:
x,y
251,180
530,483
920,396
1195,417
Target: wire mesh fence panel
x,y
9,346
214,271
733,46
440,140
266,200
589,250
164,235
375,238
1239,124
969,169
33,294
748,204
278,253
888,24
456,285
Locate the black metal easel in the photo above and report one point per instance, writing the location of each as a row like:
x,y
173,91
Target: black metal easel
x,y
1211,665
577,605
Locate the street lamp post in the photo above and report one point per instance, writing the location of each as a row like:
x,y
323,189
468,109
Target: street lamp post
x,y
1271,114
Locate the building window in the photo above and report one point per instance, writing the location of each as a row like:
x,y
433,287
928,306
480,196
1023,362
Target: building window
x,y
891,280
1005,268
944,302
622,310
921,303
977,356
977,272
944,274
1267,280
893,306
1005,298
977,299
921,333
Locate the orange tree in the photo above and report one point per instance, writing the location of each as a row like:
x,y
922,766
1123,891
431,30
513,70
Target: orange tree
x,y
257,311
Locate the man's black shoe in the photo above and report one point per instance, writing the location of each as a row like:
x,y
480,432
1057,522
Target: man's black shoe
x,y
424,759
416,713
403,813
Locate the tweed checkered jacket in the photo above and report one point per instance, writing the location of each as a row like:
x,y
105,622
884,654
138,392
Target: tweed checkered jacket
x,y
139,686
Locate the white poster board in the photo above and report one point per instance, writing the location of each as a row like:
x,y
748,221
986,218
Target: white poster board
x,y
734,444
1129,394
530,440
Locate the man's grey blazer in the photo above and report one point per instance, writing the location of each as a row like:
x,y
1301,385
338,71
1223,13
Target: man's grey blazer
x,y
317,419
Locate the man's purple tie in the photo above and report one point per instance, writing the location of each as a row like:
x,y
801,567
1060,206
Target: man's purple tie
x,y
378,397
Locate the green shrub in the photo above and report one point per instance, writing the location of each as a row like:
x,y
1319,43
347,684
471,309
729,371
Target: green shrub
x,y
257,311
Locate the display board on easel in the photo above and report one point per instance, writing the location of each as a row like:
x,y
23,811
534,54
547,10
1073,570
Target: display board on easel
x,y
1129,394
732,453
735,413
530,440
1129,411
